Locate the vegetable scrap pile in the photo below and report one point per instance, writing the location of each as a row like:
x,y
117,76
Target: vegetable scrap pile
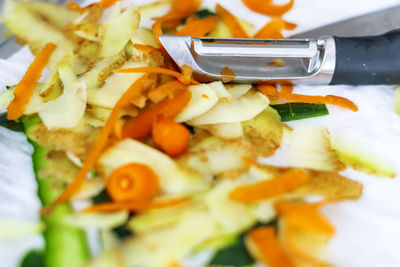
x,y
168,166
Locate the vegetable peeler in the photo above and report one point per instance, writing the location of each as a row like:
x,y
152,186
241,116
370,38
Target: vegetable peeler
x,y
325,60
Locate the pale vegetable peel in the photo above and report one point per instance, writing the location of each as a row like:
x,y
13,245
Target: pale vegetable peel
x,y
351,151
112,41
264,131
203,98
310,147
67,110
233,110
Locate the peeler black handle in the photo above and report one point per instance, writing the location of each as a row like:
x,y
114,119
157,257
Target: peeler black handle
x,y
368,60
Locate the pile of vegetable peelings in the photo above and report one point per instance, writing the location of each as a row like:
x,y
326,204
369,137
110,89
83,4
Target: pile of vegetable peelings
x,y
167,166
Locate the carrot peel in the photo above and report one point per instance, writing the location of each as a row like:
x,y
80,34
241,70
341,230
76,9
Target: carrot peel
x,y
25,88
136,206
260,191
232,22
267,7
199,28
267,247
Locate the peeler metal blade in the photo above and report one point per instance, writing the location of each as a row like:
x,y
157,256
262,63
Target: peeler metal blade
x,y
310,61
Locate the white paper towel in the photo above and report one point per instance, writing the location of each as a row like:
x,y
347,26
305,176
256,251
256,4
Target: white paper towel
x,y
368,232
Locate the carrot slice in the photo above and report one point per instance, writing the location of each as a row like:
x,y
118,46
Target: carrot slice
x,y
268,247
132,182
199,28
108,3
158,70
232,22
262,190
142,124
165,90
137,206
134,90
271,30
75,7
26,87
267,7
172,137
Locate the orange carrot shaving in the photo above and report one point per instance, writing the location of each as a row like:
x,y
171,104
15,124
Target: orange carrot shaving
x,y
185,7
271,30
74,7
286,93
137,206
303,98
134,90
170,136
333,100
108,3
267,246
341,101
165,90
180,10
146,48
26,87
158,70
232,22
157,30
141,125
305,216
132,182
268,89
199,28
286,88
262,190
290,25
267,7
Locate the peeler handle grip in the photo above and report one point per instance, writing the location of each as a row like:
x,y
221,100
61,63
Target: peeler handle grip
x,y
368,60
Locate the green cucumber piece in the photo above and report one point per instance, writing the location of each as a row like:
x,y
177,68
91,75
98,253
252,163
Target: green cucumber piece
x,y
204,13
300,111
235,255
34,258
11,125
64,245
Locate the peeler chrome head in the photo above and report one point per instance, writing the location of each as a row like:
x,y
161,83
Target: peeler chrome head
x,y
306,61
